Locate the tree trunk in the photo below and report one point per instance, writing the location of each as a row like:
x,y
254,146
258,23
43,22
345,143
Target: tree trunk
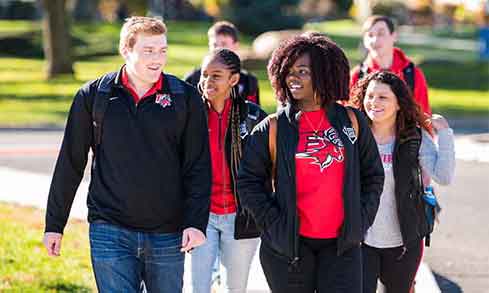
x,y
56,38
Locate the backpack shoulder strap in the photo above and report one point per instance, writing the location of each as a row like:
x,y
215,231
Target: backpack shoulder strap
x,y
252,117
408,73
252,84
100,103
363,70
175,84
353,120
272,143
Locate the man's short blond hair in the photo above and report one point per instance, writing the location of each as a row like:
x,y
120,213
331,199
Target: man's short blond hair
x,y
139,24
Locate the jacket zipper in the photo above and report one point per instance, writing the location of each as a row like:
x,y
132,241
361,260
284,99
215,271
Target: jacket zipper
x,y
294,262
398,200
220,146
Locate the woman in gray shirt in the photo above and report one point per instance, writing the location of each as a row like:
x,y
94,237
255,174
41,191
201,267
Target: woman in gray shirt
x,y
393,246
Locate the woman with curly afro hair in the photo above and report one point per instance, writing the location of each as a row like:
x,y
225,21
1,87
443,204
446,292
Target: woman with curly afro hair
x,y
311,175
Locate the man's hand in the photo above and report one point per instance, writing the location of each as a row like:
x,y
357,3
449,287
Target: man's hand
x,y
52,241
191,238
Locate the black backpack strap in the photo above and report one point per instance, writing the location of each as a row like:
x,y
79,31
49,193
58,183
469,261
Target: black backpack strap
x,y
100,103
408,73
363,70
252,84
176,85
253,87
253,116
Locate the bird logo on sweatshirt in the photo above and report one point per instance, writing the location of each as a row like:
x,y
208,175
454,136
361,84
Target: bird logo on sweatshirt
x,y
323,148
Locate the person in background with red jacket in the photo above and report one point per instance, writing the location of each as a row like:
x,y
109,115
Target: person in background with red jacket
x,y
231,232
379,37
224,34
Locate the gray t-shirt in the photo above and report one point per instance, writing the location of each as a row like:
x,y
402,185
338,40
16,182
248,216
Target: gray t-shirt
x,y
385,231
437,161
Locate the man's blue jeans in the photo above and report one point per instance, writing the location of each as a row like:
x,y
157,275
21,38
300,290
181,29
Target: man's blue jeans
x,y
122,259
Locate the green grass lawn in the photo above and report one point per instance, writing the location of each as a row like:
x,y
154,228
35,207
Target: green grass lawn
x,y
25,266
459,83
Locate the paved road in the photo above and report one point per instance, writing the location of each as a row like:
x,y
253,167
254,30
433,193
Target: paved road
x,y
459,251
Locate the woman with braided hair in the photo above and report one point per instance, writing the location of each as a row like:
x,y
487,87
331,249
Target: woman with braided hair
x,y
231,232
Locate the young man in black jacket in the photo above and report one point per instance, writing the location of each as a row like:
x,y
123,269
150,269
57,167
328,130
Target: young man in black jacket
x,y
148,200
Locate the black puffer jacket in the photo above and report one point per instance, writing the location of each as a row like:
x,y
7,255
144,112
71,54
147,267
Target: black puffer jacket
x,y
276,213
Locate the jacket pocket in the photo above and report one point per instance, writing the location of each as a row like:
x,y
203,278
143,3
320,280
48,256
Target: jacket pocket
x,y
277,235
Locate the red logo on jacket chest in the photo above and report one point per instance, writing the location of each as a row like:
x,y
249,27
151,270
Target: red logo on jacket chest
x,y
164,100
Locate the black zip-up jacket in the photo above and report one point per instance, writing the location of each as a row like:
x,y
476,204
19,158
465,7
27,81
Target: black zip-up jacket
x,y
276,213
152,169
250,115
408,186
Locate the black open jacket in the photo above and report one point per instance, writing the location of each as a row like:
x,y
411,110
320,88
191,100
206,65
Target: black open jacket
x,y
276,213
250,115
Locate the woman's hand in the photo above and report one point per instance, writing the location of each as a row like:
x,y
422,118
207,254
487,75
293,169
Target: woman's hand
x,y
439,122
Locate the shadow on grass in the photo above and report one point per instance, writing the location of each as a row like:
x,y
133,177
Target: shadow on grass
x,y
456,75
446,285
26,45
4,97
59,286
451,111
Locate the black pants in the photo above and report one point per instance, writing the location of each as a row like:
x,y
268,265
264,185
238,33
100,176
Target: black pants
x,y
319,269
395,267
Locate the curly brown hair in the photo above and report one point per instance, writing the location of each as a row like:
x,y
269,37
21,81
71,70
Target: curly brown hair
x,y
329,67
409,113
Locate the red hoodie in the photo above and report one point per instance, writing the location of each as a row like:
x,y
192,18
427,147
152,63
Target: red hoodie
x,y
399,62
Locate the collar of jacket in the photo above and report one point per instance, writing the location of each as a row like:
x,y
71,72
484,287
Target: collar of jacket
x,y
243,109
165,89
293,113
412,132
118,79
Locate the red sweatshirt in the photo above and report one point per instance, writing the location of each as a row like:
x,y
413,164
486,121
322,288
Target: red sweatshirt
x,y
320,167
222,197
400,61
